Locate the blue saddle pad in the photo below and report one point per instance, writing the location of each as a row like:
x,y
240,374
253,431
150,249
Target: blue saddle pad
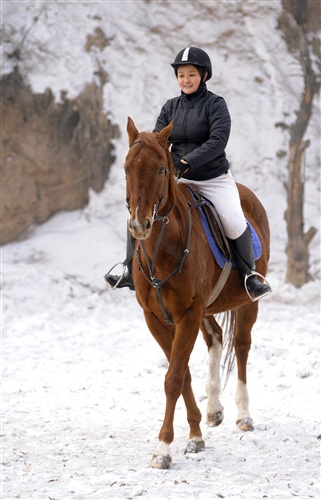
x,y
216,251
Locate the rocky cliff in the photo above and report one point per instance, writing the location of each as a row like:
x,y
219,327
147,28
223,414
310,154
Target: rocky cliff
x,y
52,153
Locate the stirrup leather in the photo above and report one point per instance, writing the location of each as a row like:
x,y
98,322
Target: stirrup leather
x,y
265,282
120,277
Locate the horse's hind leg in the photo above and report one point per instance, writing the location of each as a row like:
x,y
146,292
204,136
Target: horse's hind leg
x,y
245,319
212,334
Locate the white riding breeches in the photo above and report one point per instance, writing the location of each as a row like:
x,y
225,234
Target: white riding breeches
x,y
224,195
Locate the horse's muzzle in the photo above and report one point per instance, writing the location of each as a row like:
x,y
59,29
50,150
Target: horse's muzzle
x,y
138,230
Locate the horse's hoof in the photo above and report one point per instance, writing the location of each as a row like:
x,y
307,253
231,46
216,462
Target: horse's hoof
x,y
215,419
245,424
194,446
161,462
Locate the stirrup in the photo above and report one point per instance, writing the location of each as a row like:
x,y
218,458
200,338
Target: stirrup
x,y
247,276
120,277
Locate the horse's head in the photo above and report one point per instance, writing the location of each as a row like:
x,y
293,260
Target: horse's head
x,y
149,178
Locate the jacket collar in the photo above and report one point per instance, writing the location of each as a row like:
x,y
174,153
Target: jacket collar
x,y
202,89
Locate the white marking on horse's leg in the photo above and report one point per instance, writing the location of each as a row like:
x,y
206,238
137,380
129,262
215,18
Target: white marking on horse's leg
x,y
213,384
242,400
244,420
162,458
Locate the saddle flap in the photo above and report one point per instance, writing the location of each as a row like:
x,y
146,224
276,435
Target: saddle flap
x,y
208,212
217,230
215,234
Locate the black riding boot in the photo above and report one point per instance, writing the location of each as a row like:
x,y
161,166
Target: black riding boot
x,y
126,280
244,256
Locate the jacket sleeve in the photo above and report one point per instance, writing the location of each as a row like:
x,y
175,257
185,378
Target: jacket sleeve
x,y
219,121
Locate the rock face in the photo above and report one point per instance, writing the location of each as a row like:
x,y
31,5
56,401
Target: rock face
x,y
51,154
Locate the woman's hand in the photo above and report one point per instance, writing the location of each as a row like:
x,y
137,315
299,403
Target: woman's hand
x,y
181,168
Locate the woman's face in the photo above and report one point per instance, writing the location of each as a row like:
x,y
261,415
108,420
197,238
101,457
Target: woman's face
x,y
188,78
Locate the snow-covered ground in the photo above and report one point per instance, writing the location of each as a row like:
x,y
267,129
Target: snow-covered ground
x,y
82,378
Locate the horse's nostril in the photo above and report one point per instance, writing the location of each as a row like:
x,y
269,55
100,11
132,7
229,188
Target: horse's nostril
x,y
148,224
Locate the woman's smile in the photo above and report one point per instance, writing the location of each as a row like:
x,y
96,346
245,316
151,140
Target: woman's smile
x,y
188,78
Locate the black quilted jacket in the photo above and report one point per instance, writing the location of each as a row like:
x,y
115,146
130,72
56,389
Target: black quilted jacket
x,y
200,133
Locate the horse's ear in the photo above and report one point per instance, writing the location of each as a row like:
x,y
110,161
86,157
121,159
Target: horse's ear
x,y
164,134
132,131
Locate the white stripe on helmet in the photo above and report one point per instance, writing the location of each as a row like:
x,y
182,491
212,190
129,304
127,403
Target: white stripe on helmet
x,y
185,54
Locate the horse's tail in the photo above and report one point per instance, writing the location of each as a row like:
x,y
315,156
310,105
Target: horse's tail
x,y
228,329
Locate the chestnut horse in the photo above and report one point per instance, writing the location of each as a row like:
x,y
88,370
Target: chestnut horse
x,y
174,274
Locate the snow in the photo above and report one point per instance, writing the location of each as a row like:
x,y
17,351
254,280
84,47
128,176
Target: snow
x,y
82,377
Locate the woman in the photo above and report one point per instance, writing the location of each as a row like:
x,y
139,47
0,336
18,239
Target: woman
x,y
199,137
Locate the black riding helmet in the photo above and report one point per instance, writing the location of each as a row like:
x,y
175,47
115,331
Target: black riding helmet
x,y
194,56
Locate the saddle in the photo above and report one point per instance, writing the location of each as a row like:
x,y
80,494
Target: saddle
x,y
218,242
212,225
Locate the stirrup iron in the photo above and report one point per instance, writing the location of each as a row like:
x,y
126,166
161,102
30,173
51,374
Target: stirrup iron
x,y
120,277
247,276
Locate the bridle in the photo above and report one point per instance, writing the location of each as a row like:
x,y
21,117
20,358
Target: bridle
x,y
152,280
166,172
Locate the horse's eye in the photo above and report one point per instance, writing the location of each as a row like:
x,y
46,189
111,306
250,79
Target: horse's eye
x,y
161,170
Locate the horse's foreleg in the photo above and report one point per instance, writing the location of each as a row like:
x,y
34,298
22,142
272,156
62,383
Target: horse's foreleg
x,y
212,334
162,457
177,382
194,417
245,319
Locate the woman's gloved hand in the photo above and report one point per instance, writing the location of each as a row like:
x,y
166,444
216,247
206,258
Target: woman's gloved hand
x,y
181,166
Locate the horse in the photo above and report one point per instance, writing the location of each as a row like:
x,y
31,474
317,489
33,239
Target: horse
x,y
174,274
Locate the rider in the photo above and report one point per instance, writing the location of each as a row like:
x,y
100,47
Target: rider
x,y
199,137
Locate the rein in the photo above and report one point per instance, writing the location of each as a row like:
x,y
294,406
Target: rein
x,y
152,280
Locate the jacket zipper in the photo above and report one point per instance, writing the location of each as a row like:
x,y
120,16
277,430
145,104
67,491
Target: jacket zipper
x,y
189,106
